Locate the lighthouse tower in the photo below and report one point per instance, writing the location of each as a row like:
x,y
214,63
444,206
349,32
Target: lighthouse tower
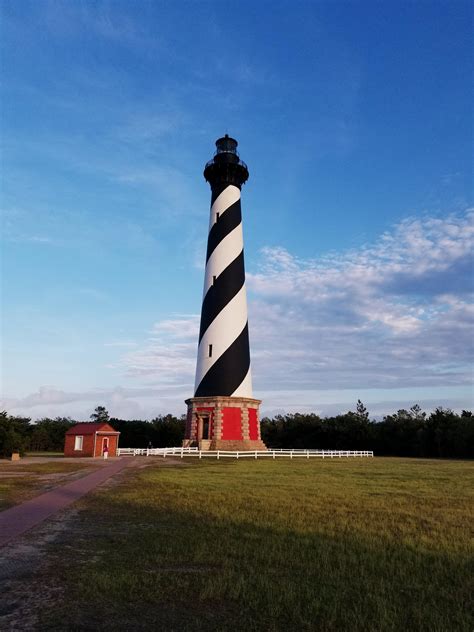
x,y
223,414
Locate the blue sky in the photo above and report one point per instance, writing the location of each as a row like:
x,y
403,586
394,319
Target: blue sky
x,y
355,121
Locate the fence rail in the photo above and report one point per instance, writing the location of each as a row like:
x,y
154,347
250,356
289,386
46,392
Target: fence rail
x,y
241,454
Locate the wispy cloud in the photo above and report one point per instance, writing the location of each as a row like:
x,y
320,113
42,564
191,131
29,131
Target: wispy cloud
x,y
171,186
392,319
169,356
393,314
128,403
15,228
142,127
387,314
100,19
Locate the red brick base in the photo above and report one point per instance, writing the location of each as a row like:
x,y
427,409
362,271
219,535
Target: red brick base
x,y
223,423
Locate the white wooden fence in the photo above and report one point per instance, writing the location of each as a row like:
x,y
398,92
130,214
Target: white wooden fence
x,y
255,454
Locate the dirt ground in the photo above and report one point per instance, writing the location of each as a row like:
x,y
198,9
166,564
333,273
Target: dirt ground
x,y
27,564
25,575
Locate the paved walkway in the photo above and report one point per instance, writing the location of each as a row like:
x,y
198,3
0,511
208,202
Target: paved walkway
x,y
17,520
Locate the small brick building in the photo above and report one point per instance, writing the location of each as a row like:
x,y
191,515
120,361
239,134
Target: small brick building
x,y
90,439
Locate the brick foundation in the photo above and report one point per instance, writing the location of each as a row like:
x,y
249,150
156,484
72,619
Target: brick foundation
x,y
223,423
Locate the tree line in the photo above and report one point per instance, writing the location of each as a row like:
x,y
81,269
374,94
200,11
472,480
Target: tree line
x,y
442,433
20,434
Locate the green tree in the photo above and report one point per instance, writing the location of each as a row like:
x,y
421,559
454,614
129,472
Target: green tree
x,y
361,411
162,431
48,434
100,415
14,433
416,413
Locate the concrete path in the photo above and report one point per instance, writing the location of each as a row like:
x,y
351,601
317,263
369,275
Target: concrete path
x,y
17,520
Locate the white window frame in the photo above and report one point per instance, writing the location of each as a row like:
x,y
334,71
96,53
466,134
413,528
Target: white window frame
x,y
78,442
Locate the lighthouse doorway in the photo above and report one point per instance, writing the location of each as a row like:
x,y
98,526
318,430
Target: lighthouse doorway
x,y
204,431
203,426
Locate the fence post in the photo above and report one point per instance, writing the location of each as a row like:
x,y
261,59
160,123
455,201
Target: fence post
x,y
255,453
217,454
199,453
273,453
307,454
181,452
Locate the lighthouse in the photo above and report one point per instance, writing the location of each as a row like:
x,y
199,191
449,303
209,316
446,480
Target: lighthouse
x,y
223,413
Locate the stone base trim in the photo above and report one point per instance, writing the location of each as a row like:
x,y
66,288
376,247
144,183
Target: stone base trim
x,y
234,446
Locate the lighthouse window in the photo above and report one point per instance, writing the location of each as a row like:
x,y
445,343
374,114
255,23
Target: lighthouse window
x,y
213,280
210,351
217,216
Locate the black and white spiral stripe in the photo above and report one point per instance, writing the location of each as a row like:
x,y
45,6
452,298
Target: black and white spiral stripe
x,y
223,365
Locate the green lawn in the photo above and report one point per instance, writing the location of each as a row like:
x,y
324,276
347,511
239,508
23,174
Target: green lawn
x,y
373,544
48,454
21,481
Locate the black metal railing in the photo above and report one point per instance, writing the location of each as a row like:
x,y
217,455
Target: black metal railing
x,y
237,162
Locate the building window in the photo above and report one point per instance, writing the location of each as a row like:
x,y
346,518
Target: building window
x,y
78,443
210,351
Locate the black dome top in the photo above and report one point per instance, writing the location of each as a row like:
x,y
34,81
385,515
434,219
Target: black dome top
x,y
226,144
226,166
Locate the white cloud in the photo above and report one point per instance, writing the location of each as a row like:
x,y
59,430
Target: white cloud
x,y
171,186
126,403
392,320
381,316
169,356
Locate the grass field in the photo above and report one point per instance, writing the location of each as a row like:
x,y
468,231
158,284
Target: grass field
x,y
59,455
21,481
379,544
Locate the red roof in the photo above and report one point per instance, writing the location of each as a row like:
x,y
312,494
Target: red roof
x,y
87,428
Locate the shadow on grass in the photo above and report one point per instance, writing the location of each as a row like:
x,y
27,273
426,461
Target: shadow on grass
x,y
152,562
